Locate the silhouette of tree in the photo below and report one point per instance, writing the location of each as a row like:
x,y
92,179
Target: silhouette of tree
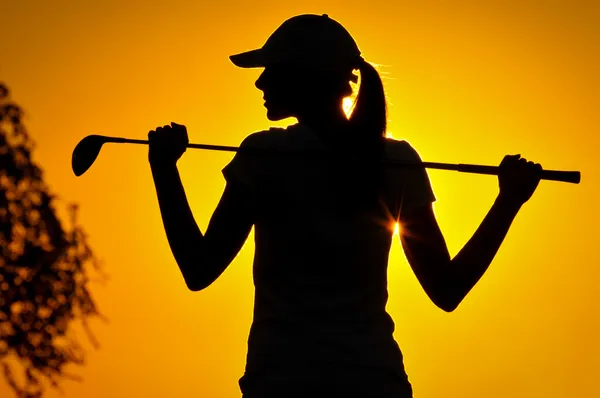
x,y
44,268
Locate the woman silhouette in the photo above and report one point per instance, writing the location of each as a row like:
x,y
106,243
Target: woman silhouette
x,y
324,225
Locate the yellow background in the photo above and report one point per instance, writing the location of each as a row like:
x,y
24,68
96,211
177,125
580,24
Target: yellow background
x,y
467,82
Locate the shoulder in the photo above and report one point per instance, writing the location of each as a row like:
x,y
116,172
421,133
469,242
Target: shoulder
x,y
265,137
274,137
260,138
400,150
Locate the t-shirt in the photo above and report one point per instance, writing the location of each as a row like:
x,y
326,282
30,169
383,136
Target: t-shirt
x,y
320,266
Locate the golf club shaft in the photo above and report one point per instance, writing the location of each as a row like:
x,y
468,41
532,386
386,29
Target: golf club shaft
x,y
553,175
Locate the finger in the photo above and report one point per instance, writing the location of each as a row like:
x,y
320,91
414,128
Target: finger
x,y
179,128
509,159
164,131
534,167
519,163
505,160
181,132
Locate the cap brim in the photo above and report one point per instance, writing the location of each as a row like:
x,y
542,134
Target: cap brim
x,y
250,59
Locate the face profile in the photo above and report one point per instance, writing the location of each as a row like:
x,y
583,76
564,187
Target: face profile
x,y
279,89
289,91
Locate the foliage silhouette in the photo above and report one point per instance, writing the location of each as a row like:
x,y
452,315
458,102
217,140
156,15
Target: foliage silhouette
x,y
44,268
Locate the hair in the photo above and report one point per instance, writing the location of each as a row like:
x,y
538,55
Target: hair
x,y
368,127
369,114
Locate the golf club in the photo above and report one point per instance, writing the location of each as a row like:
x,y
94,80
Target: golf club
x,y
87,150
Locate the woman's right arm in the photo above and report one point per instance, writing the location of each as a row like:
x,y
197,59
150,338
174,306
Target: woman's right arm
x,y
201,258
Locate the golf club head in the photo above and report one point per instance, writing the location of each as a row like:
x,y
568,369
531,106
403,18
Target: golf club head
x,y
86,152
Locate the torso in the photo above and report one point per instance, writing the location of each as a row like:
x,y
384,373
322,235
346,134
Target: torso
x,y
320,271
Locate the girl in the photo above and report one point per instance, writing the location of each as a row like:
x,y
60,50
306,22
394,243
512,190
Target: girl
x,y
324,224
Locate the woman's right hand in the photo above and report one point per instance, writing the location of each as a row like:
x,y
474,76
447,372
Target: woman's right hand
x,y
518,179
167,144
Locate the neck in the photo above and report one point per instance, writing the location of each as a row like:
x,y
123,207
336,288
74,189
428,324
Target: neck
x,y
328,122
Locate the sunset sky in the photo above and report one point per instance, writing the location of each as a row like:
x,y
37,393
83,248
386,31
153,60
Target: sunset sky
x,y
467,82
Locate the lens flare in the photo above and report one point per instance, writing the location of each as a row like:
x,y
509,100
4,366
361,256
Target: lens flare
x,y
347,104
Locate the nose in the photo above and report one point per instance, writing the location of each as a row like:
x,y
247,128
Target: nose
x,y
260,81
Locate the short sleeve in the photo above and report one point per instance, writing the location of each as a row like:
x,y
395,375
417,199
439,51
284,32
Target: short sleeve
x,y
244,169
413,182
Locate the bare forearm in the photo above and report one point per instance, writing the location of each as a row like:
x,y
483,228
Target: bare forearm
x,y
447,281
469,265
181,229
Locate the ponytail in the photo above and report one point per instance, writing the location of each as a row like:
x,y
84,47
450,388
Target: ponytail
x,y
368,126
369,115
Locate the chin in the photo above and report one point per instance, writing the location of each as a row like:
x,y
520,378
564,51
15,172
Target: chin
x,y
275,116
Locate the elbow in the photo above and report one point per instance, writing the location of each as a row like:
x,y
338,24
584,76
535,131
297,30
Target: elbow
x,y
448,296
195,287
193,278
449,306
194,283
447,302
201,273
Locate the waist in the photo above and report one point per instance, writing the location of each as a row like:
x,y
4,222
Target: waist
x,y
339,380
276,343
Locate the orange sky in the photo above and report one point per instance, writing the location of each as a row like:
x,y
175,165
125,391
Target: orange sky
x,y
466,82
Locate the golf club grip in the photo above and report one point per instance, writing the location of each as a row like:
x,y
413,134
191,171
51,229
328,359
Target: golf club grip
x,y
554,175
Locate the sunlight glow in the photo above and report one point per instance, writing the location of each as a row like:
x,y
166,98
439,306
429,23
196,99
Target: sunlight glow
x,y
457,89
397,229
347,104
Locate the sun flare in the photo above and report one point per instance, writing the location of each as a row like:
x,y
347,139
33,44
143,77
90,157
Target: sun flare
x,y
347,105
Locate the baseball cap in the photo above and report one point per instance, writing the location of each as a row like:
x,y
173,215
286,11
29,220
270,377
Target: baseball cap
x,y
309,40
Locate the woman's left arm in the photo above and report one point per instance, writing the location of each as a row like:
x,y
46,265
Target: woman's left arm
x,y
447,281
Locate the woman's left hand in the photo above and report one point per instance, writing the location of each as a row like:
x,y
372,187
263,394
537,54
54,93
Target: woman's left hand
x,y
518,179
